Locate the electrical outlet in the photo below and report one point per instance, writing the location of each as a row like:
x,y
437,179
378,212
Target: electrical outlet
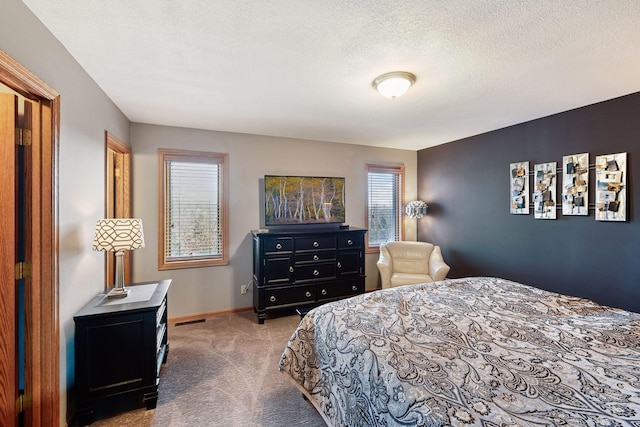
x,y
244,289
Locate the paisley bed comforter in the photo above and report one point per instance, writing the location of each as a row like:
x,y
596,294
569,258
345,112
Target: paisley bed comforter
x,y
476,351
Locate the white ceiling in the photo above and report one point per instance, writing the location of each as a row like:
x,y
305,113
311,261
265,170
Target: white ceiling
x,y
303,68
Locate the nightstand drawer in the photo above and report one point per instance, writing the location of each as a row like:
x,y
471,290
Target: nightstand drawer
x,y
160,333
161,312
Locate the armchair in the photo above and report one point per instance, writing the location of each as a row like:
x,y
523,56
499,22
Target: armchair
x,y
406,263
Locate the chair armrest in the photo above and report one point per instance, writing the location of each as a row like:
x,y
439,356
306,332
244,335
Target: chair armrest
x,y
385,266
438,269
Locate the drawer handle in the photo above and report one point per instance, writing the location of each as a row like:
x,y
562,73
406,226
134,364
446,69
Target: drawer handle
x,y
308,294
291,269
316,273
349,242
272,299
316,244
316,257
323,292
279,246
354,288
339,265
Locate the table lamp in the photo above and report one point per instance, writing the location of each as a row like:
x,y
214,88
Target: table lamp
x,y
118,235
416,209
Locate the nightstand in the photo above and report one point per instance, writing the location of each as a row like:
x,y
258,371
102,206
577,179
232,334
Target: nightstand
x,y
120,346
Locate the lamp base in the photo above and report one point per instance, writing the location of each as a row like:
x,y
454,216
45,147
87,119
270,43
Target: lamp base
x,y
118,293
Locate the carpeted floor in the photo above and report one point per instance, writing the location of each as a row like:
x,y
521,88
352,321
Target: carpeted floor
x,y
224,372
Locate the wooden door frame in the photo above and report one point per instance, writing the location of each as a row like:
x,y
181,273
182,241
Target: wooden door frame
x,y
122,190
42,321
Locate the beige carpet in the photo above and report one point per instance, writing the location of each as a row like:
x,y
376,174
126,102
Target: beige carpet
x,y
224,372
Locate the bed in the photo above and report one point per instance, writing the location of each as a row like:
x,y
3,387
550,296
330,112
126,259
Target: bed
x,y
475,352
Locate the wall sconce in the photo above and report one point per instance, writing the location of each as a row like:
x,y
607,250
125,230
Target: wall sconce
x,y
416,209
118,235
394,84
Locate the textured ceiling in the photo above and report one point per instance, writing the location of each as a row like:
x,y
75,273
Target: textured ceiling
x,y
303,69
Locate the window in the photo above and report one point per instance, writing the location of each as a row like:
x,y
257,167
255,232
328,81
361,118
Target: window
x,y
192,209
385,194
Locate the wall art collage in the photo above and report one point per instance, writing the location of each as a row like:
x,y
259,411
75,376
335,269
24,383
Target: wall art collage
x,y
610,191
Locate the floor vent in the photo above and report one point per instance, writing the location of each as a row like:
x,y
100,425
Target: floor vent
x,y
189,322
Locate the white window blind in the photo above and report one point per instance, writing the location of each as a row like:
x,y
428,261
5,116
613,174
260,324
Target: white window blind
x,y
384,205
194,209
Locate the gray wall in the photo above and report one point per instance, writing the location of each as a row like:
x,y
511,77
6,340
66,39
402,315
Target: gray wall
x,y
86,112
466,184
198,291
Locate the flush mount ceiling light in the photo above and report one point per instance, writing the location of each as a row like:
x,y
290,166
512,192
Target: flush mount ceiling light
x,y
394,84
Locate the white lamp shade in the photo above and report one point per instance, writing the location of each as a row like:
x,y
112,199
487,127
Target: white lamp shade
x,y
118,234
416,209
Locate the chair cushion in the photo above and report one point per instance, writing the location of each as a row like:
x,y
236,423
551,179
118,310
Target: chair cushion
x,y
410,257
401,279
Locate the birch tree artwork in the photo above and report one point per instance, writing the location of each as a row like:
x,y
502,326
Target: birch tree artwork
x,y
303,200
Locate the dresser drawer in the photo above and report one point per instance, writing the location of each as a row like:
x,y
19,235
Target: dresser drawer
x,y
289,295
315,243
315,257
277,269
349,241
349,262
333,290
315,271
283,244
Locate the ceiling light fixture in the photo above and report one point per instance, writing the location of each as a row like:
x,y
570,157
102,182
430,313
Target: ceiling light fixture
x,y
394,84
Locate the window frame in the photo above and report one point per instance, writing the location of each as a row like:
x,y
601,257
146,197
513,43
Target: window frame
x,y
391,169
222,159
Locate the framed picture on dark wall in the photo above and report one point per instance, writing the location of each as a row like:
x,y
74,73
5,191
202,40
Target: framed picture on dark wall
x,y
575,184
544,194
611,187
519,195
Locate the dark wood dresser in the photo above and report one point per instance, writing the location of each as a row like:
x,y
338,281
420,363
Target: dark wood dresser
x,y
120,345
306,268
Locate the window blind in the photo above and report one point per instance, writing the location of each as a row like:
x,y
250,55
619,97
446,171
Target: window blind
x,y
193,226
384,205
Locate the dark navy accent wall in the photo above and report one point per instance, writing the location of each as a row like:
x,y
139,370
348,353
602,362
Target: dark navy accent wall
x,y
466,184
